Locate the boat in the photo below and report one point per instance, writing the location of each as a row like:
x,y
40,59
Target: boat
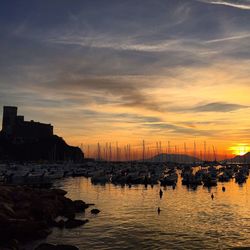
x,y
169,180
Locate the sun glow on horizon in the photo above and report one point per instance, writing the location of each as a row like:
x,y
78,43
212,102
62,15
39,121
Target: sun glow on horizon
x,y
240,149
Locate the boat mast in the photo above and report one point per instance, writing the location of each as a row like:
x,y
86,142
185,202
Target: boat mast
x,y
98,151
194,152
205,150
214,154
185,151
143,150
169,151
110,152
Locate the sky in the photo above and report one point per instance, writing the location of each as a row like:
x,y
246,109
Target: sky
x,y
127,71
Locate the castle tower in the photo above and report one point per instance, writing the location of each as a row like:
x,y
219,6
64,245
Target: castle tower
x,y
9,119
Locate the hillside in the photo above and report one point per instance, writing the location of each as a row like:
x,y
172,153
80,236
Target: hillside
x,y
52,148
242,159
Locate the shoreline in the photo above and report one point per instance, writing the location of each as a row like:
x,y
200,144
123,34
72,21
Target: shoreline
x,y
29,214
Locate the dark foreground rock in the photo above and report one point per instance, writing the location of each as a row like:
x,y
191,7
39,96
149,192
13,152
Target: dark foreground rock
x,y
28,214
95,211
46,246
80,206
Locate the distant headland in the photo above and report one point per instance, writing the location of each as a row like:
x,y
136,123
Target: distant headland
x,y
22,140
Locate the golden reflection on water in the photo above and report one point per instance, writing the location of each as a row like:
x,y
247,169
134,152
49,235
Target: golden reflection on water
x,y
188,220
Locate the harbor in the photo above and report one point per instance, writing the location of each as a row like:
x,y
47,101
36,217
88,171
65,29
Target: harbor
x,y
125,173
189,219
125,125
149,186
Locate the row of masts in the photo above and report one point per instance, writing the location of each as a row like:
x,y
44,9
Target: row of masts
x,y
115,152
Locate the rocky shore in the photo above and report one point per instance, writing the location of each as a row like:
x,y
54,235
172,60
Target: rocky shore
x,y
28,214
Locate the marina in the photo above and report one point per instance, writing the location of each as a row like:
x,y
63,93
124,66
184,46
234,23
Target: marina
x,y
125,173
189,219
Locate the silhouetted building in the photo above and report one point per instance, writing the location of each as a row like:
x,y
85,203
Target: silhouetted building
x,y
9,120
22,140
17,129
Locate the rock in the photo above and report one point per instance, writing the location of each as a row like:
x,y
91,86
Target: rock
x,y
59,192
14,243
24,230
23,214
46,246
11,245
4,220
74,223
60,223
28,213
80,206
66,247
5,193
21,194
68,208
95,211
7,208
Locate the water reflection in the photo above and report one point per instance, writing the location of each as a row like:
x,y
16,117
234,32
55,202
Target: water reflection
x,y
189,219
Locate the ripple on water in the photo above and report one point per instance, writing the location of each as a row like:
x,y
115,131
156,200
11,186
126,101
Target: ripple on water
x,y
129,220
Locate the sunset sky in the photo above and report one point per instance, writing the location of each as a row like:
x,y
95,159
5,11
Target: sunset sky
x,y
115,70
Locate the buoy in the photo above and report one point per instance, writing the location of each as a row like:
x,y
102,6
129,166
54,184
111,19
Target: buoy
x,y
161,193
158,210
212,196
223,189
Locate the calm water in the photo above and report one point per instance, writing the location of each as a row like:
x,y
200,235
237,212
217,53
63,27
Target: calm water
x,y
129,218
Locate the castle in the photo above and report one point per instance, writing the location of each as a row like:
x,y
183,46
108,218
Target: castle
x,y
22,140
15,128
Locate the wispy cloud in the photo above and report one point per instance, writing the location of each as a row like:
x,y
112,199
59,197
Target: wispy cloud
x,y
177,130
241,4
218,107
235,37
114,43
